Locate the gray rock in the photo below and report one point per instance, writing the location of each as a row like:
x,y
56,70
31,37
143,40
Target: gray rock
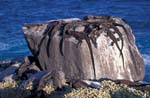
x,y
55,78
87,83
9,72
7,63
76,60
10,77
93,84
28,67
33,79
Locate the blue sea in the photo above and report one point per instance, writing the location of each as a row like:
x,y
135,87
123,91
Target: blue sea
x,y
14,13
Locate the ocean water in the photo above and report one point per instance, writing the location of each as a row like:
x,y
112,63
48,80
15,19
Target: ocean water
x,y
13,13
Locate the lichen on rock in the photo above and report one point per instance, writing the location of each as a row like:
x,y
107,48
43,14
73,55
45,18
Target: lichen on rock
x,y
109,90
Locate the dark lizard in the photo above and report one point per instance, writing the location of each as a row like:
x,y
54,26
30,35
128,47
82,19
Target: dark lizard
x,y
119,34
116,24
49,28
114,40
52,32
66,28
80,36
112,24
95,32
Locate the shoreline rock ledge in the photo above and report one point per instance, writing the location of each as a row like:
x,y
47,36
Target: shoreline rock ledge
x,y
92,48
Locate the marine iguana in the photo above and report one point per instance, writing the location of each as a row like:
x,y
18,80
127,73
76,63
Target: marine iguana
x,y
49,29
81,36
55,28
119,34
114,41
66,28
104,23
107,24
96,30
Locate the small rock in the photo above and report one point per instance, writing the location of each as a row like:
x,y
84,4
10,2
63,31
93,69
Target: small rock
x,y
93,84
80,84
33,79
55,78
71,97
9,71
87,83
10,77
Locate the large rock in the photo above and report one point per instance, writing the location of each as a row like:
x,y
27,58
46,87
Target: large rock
x,y
56,45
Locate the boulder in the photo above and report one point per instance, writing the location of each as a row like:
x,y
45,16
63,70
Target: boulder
x,y
93,48
9,73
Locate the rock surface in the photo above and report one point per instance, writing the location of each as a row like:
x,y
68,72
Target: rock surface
x,y
9,73
62,45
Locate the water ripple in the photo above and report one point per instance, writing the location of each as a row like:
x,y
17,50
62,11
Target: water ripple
x,y
4,46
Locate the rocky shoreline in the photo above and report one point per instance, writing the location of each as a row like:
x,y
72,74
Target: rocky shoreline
x,y
11,86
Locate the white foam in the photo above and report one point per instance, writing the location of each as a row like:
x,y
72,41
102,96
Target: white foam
x,y
146,58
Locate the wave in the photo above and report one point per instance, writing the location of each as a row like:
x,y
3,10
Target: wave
x,y
146,58
4,46
15,44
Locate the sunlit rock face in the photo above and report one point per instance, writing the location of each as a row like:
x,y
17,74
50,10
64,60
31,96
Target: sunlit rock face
x,y
64,45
